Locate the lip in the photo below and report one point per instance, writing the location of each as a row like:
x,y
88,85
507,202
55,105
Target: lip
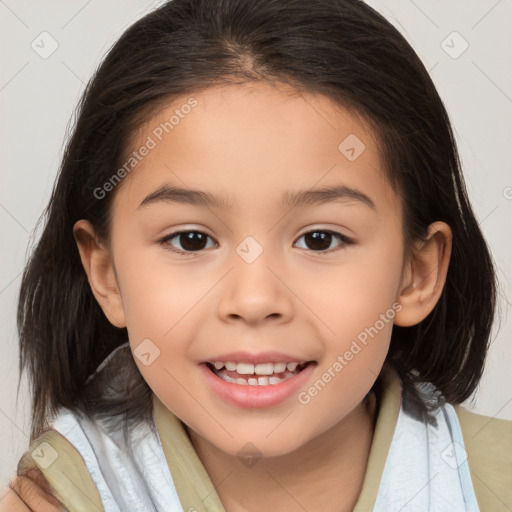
x,y
256,397
263,357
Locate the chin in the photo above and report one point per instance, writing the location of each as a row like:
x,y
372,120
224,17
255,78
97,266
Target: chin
x,y
259,446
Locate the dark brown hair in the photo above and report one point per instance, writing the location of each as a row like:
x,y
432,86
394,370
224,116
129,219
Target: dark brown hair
x,y
342,49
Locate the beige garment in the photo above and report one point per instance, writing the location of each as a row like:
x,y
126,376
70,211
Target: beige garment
x,y
488,442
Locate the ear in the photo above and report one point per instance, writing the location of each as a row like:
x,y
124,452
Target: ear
x,y
98,265
424,275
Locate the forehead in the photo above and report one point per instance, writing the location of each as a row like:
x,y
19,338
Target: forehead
x,y
242,141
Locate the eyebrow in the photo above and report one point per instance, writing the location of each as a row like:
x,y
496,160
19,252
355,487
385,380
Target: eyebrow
x,y
291,200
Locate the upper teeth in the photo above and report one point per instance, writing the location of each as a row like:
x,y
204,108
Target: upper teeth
x,y
258,369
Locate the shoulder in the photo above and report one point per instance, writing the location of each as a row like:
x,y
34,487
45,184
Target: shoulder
x,y
51,455
29,492
488,444
99,461
488,438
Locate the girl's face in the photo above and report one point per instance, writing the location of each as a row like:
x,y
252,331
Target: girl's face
x,y
274,271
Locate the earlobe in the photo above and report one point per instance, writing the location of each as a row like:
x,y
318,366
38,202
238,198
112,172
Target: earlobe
x,y
424,275
98,266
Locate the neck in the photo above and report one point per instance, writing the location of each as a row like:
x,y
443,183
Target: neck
x,y
324,474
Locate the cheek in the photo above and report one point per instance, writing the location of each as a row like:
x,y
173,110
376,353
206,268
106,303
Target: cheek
x,y
357,301
155,293
162,304
354,355
352,295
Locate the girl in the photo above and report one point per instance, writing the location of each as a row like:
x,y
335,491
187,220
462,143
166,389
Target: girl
x,y
309,351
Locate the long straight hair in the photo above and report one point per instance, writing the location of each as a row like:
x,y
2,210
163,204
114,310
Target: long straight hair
x,y
342,49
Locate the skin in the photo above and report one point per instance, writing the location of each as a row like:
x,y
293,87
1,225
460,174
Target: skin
x,y
253,143
28,493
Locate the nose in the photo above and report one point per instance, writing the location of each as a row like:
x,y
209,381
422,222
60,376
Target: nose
x,y
255,293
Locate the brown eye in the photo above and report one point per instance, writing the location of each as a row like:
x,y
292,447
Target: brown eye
x,y
321,240
189,241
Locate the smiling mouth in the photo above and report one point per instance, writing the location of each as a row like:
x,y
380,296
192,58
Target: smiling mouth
x,y
264,374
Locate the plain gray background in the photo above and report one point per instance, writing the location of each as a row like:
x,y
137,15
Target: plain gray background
x,y
38,93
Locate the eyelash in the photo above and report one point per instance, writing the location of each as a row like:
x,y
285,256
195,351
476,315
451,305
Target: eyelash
x,y
165,241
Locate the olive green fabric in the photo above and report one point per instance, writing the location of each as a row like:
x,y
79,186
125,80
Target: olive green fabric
x,y
488,442
64,469
193,485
